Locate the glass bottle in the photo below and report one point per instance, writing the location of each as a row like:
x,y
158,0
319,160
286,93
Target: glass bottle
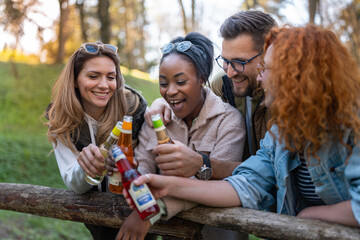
x,y
160,130
115,183
125,140
104,148
141,196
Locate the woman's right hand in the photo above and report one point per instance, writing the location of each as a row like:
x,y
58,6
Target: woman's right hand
x,y
158,106
91,160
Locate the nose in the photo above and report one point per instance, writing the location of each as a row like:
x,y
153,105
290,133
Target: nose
x,y
172,90
103,82
231,72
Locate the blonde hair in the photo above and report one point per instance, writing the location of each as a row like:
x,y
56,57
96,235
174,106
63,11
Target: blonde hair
x,y
315,84
66,113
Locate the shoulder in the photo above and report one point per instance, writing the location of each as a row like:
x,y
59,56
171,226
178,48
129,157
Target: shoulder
x,y
216,83
134,100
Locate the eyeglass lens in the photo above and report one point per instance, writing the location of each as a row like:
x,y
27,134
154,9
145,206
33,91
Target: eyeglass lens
x,y
224,64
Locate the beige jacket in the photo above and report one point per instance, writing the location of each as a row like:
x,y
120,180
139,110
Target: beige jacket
x,y
219,132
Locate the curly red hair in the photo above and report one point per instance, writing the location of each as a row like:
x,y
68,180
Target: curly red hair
x,y
316,86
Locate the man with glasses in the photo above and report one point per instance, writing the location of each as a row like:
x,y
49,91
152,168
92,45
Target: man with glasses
x,y
243,39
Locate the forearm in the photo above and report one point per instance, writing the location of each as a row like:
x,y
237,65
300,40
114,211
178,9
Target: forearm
x,y
337,213
222,169
210,193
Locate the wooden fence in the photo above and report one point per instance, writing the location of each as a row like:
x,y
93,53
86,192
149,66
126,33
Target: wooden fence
x,y
110,210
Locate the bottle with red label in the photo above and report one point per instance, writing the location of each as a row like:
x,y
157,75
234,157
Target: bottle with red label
x,y
141,196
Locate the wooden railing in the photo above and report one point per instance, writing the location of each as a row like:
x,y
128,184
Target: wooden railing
x,y
110,210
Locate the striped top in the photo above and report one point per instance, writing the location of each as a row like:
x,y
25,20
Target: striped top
x,y
305,184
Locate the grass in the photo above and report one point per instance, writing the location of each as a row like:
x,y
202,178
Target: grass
x,y
24,149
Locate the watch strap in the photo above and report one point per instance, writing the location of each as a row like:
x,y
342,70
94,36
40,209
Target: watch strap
x,y
206,160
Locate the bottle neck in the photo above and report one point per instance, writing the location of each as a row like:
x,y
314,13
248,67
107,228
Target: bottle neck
x,y
111,140
125,139
123,165
162,135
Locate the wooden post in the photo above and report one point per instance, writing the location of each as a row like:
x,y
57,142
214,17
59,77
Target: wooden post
x,y
110,210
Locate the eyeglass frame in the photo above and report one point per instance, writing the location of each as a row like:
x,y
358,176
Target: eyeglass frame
x,y
99,45
261,69
237,61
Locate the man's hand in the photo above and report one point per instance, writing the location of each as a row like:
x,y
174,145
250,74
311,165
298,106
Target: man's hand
x,y
177,160
158,106
91,160
133,228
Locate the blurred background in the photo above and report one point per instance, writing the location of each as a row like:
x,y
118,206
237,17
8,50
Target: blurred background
x,y
38,36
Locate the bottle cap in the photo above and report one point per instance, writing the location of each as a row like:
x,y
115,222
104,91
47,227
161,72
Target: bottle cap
x,y
156,119
127,123
117,129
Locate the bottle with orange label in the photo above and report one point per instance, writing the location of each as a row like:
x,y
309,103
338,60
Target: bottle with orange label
x,y
125,140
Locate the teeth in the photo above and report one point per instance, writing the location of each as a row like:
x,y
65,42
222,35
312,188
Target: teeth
x,y
100,94
173,102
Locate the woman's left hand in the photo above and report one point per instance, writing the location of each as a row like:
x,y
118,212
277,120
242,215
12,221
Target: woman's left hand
x,y
177,160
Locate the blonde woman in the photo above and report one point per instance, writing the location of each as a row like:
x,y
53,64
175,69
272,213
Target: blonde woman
x,y
88,98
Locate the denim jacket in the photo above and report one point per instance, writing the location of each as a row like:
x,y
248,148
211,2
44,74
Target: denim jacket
x,y
267,175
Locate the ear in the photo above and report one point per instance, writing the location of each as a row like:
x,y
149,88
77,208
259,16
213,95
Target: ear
x,y
202,81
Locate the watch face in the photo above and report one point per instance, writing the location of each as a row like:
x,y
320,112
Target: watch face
x,y
205,173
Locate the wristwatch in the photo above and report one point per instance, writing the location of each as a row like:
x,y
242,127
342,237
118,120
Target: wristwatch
x,y
205,172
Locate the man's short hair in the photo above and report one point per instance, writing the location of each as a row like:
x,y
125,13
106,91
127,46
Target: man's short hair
x,y
252,22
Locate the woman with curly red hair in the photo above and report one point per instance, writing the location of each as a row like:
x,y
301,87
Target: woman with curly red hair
x,y
309,161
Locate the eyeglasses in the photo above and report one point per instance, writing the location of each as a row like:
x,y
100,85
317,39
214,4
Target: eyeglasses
x,y
261,69
180,47
237,65
94,48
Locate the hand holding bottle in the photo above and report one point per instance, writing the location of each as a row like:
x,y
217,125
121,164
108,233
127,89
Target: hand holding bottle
x,y
110,165
91,160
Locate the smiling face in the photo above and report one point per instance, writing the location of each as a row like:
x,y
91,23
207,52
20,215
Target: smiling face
x,y
264,78
241,48
96,83
181,87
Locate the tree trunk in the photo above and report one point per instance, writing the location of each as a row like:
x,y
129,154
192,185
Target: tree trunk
x,y
83,25
62,37
104,17
313,4
193,22
185,27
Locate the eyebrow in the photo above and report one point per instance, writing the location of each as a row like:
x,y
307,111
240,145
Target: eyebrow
x,y
96,72
176,75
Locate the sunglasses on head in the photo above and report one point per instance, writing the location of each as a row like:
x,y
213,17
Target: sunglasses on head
x,y
180,47
94,48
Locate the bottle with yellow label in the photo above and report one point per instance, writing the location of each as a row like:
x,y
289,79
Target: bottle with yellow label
x,y
104,148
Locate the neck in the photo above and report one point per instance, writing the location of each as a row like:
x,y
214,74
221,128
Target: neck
x,y
190,118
